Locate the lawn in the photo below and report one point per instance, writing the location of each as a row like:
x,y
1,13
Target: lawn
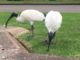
x,y
40,2
66,42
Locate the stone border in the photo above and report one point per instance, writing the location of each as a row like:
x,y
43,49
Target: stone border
x,y
17,31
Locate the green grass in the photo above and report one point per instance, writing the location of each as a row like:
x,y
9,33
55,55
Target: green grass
x,y
66,42
40,2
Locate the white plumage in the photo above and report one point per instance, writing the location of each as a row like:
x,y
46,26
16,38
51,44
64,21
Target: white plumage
x,y
30,15
53,21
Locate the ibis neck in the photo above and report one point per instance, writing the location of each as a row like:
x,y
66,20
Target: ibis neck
x,y
12,15
51,35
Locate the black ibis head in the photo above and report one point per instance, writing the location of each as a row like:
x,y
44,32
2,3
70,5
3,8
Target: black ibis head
x,y
11,16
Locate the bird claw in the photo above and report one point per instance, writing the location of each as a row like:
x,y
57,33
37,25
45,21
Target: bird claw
x,y
47,50
45,42
29,37
29,29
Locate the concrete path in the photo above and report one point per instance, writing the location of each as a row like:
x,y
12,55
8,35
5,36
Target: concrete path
x,y
43,8
11,49
9,46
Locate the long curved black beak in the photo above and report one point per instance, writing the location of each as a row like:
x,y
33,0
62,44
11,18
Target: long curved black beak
x,y
51,36
12,15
